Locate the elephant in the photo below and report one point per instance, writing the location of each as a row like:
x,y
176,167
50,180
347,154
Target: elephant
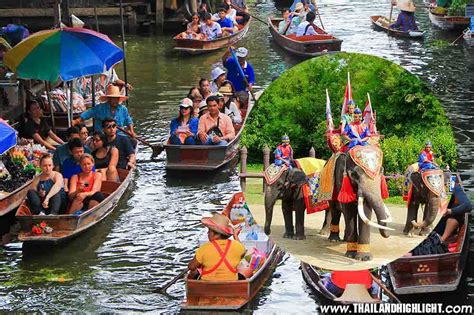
x,y
288,188
421,194
357,213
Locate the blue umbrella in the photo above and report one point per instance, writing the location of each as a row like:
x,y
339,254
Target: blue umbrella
x,y
7,137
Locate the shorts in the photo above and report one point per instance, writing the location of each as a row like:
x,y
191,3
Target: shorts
x,y
98,196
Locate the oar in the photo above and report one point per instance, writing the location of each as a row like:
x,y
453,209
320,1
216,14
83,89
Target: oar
x,y
390,17
157,148
319,15
242,10
452,44
241,72
393,296
163,289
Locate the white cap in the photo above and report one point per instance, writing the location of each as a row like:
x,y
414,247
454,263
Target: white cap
x,y
241,52
186,102
217,72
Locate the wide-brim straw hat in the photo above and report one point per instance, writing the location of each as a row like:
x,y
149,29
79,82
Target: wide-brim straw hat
x,y
406,5
299,6
226,90
356,293
218,223
113,92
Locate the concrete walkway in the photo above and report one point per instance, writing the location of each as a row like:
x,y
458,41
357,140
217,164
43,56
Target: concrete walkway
x,y
318,251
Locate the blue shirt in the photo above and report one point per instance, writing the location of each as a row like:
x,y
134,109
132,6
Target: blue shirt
x,y
102,111
193,125
62,153
226,22
71,168
233,74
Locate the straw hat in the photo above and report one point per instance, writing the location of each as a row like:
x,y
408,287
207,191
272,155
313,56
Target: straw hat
x,y
299,6
113,92
217,72
406,5
202,106
226,90
356,293
218,223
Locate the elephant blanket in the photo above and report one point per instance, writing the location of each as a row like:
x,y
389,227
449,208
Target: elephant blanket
x,y
273,173
434,180
312,168
327,179
369,158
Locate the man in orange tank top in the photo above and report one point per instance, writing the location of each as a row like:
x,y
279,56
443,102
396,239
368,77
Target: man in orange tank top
x,y
220,256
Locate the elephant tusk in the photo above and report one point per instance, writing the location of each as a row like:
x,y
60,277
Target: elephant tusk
x,y
360,210
417,225
389,216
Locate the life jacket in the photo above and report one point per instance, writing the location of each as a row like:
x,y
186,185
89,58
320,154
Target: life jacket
x,y
223,259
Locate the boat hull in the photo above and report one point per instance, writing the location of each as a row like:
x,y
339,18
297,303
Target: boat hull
x,y
14,199
378,25
448,23
309,47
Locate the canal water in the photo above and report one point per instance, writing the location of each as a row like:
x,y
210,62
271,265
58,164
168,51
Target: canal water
x,y
154,230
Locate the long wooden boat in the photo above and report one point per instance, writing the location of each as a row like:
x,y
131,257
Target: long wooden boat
x,y
230,295
68,226
306,46
446,22
431,273
204,157
313,277
197,46
11,201
381,23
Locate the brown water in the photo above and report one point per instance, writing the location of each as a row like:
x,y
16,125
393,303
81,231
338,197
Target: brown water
x,y
153,232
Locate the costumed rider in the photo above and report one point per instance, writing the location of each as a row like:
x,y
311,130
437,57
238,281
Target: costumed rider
x,y
426,158
284,153
348,117
356,132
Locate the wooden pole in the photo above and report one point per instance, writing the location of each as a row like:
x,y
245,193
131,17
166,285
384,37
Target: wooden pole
x,y
69,114
159,15
319,14
312,152
123,47
390,17
57,12
96,19
93,96
243,168
266,163
51,108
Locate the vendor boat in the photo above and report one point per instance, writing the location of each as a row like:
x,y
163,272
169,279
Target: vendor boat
x,y
198,46
231,295
305,46
382,23
446,22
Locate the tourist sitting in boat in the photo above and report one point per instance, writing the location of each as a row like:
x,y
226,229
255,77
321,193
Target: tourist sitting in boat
x,y
203,9
215,128
205,88
218,78
47,195
242,15
111,107
193,29
62,152
219,257
183,129
356,132
284,25
229,13
105,157
84,189
296,18
124,144
233,73
426,158
348,117
406,19
210,29
37,128
336,281
71,165
84,136
284,153
308,27
453,218
230,108
203,109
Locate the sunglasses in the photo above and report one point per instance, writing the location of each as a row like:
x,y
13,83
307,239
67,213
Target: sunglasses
x,y
110,126
182,107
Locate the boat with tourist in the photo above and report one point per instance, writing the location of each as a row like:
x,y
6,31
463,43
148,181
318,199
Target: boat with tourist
x,y
233,295
381,23
307,45
195,46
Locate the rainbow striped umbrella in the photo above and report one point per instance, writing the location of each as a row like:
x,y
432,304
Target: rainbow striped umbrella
x,y
63,53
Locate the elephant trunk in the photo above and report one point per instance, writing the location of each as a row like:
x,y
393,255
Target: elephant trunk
x,y
360,210
270,198
431,210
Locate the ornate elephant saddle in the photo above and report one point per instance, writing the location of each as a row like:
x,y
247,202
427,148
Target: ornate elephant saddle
x,y
434,180
273,173
369,158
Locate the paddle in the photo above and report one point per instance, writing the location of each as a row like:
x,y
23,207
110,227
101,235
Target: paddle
x,y
452,44
319,15
163,289
390,17
393,296
242,10
241,72
157,148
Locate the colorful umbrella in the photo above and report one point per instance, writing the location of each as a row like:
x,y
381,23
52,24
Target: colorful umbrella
x,y
63,53
7,137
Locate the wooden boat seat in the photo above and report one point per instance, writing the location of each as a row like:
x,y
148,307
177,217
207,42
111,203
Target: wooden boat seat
x,y
108,187
456,245
309,38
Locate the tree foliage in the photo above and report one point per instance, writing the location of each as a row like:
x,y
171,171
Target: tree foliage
x,y
407,113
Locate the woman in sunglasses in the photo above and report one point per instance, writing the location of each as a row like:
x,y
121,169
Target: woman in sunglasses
x,y
105,156
183,129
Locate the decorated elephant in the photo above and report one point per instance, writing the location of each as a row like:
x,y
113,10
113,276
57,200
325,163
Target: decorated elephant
x,y
426,188
355,182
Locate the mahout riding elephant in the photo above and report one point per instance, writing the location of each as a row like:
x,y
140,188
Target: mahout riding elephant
x,y
430,197
289,188
364,181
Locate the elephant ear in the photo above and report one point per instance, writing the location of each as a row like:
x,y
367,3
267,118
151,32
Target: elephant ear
x,y
297,177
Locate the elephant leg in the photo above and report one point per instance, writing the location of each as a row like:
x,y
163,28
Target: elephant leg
x,y
327,219
363,244
335,220
425,230
287,208
350,217
412,214
299,218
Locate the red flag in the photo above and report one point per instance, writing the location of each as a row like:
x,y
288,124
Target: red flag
x,y
347,96
330,124
368,115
